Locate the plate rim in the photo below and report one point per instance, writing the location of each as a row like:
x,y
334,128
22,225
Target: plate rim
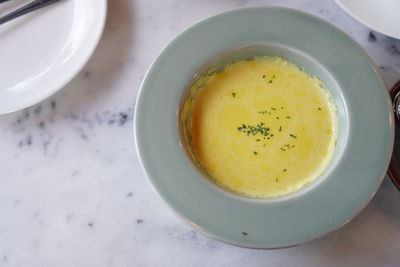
x,y
373,27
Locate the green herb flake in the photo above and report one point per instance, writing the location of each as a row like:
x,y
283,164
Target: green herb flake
x,y
258,140
270,81
263,76
244,233
255,152
281,107
288,117
273,108
273,76
276,179
284,170
293,136
254,130
234,94
280,128
319,109
277,118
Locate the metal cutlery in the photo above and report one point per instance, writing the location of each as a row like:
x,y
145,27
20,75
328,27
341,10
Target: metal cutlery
x,y
31,6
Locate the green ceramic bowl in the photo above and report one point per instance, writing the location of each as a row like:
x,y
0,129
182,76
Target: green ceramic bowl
x,y
364,146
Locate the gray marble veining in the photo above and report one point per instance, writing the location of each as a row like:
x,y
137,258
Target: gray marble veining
x,y
72,192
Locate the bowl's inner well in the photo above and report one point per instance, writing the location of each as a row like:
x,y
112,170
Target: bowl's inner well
x,y
305,62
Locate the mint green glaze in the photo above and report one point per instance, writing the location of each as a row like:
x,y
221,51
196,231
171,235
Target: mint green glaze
x,y
365,128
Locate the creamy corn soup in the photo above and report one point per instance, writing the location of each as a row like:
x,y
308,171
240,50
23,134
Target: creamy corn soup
x,y
261,127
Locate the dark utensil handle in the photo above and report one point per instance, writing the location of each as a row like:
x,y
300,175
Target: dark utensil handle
x,y
35,4
394,166
3,1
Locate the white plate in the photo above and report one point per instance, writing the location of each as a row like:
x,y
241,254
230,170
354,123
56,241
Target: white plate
x,y
42,51
382,16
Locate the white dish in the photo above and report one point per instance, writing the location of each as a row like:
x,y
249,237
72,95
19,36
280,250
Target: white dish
x,y
43,50
381,16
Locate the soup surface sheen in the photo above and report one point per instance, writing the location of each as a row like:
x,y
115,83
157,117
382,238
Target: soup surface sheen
x,y
262,127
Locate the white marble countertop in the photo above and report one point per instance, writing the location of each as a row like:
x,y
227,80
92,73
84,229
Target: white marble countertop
x,y
72,192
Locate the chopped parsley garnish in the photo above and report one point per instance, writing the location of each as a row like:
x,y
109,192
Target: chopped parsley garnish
x,y
266,112
255,152
263,76
270,81
319,109
258,140
284,170
276,179
286,147
254,130
288,117
244,233
292,135
277,118
280,128
234,94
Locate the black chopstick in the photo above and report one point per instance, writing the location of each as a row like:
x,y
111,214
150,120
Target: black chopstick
x,y
33,5
3,1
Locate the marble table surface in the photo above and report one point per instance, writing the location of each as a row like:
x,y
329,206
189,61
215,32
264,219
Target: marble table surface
x,y
72,192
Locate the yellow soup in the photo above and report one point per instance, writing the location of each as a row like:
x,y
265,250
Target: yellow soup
x,y
263,127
